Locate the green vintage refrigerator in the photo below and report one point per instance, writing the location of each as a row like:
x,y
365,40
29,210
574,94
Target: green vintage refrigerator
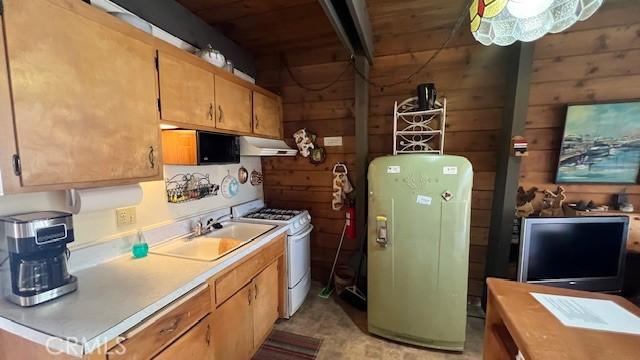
x,y
418,248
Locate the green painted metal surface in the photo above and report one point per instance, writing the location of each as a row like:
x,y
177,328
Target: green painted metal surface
x,y
417,283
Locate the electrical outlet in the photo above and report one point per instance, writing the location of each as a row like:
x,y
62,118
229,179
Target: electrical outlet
x,y
126,216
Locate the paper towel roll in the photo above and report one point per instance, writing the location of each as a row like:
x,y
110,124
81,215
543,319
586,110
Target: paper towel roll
x,y
87,200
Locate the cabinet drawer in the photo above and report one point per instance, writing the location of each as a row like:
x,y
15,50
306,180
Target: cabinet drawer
x,y
195,344
162,328
234,280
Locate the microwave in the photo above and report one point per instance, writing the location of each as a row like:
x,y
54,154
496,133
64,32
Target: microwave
x,y
195,147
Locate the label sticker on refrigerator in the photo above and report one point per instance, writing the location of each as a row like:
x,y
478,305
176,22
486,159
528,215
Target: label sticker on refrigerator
x,y
393,169
450,170
423,200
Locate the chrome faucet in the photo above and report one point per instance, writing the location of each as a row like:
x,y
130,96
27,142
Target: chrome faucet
x,y
215,223
199,229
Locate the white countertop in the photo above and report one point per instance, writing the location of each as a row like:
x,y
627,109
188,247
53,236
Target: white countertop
x,y
114,297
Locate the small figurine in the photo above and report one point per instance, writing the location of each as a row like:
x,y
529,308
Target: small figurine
x,y
552,203
524,207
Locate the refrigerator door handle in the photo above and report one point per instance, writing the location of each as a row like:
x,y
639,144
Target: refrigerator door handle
x,y
381,231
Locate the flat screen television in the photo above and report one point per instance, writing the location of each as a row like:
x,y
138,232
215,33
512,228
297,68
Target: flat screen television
x,y
584,253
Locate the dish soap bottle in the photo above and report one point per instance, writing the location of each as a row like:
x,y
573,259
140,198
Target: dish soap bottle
x,y
140,248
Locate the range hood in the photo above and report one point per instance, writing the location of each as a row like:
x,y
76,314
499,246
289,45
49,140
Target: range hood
x,y
253,146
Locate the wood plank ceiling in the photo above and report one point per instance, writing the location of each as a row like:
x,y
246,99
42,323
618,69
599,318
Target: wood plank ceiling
x,y
267,26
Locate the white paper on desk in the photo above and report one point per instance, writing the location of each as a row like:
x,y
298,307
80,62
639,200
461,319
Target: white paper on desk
x,y
594,314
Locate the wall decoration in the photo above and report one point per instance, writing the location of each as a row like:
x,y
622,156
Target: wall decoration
x,y
243,175
317,156
601,144
188,187
305,141
229,186
256,178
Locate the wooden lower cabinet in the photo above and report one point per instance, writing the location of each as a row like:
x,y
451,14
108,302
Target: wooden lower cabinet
x,y
244,321
195,344
163,328
233,327
265,302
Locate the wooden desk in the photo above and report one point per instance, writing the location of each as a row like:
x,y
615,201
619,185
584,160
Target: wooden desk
x,y
516,321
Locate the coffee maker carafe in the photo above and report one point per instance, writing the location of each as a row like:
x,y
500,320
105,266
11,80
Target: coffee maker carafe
x,y
33,257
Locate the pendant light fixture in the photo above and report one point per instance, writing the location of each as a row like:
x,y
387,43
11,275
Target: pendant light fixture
x,y
503,22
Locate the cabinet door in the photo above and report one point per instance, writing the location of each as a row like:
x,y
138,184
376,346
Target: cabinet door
x,y
265,305
233,106
267,119
233,327
84,96
186,91
195,344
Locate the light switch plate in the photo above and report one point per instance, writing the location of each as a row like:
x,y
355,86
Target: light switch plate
x,y
126,216
333,141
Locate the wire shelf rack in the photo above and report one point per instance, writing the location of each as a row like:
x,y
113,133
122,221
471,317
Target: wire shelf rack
x,y
418,131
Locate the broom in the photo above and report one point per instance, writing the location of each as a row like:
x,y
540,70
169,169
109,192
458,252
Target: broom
x,y
327,290
352,294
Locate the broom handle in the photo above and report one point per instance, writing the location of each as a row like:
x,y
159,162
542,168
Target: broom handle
x,y
335,260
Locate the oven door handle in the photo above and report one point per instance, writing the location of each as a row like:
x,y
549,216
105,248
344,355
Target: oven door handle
x,y
304,234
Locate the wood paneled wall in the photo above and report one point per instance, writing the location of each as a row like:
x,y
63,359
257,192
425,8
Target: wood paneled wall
x,y
597,60
293,182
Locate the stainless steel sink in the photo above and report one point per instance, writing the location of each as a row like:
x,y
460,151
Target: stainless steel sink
x,y
215,244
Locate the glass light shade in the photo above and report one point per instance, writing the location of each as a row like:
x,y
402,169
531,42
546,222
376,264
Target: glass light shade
x,y
503,22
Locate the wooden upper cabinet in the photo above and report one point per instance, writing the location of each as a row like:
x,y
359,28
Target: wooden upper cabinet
x,y
265,303
186,91
267,115
84,96
233,105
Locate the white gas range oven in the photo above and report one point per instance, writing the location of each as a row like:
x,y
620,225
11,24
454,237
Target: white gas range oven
x,y
298,244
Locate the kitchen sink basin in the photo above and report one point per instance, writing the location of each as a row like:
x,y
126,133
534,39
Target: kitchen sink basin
x,y
215,244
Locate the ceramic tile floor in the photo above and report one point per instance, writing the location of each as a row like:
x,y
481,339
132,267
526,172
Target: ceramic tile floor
x,y
343,330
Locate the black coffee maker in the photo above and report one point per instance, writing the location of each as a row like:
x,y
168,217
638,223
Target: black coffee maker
x,y
33,257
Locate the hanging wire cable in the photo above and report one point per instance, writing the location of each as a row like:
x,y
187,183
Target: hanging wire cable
x,y
351,64
321,88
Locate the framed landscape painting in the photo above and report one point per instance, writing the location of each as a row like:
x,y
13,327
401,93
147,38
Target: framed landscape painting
x,y
601,144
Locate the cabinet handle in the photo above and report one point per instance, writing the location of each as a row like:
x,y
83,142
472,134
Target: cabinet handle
x,y
208,335
152,161
211,111
220,113
249,296
171,328
256,117
256,287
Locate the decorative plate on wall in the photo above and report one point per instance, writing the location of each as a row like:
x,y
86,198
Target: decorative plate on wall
x,y
243,175
229,186
256,178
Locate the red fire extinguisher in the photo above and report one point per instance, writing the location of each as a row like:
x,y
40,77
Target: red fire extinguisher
x,y
351,221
